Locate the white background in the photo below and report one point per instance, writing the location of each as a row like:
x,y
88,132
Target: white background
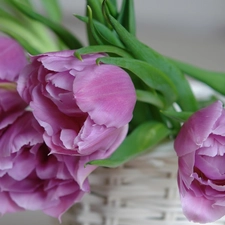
x,y
192,31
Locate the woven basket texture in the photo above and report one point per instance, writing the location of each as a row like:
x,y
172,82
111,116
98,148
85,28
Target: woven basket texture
x,y
141,192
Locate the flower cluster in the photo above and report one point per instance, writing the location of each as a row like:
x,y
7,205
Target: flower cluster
x,y
66,109
57,114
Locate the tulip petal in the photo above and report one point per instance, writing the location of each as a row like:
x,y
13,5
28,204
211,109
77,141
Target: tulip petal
x,y
5,164
212,167
204,210
12,140
12,59
65,203
7,204
23,165
84,170
219,127
107,93
65,60
197,129
94,137
11,107
186,165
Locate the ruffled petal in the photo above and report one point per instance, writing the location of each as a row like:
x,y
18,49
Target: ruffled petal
x,y
94,137
18,135
198,127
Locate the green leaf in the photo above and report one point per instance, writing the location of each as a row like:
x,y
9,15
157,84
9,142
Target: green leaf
x,y
95,39
96,6
25,44
26,2
151,76
178,116
68,39
208,101
127,16
52,9
9,25
101,48
141,140
142,52
151,98
112,6
39,32
142,113
114,3
215,80
103,32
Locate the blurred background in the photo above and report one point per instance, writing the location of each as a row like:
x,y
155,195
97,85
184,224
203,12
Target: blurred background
x,y
191,31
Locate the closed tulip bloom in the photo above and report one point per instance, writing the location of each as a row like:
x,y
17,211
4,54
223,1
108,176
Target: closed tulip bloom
x,y
30,178
84,108
200,146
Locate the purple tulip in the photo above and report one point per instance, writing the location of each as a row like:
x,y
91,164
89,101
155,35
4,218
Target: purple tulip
x,y
84,108
33,179
12,61
200,146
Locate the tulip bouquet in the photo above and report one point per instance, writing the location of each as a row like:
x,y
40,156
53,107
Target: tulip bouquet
x,y
66,109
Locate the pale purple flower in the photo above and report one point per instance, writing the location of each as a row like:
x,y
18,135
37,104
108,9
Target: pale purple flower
x,y
200,146
30,178
84,108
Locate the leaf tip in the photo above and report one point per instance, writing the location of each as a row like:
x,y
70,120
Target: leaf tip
x,y
98,61
77,55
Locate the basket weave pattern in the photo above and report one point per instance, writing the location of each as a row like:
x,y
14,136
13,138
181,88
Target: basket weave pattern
x,y
142,192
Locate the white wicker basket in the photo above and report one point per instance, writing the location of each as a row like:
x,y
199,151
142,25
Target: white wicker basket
x,y
142,192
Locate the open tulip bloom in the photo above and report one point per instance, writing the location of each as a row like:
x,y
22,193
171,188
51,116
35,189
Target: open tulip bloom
x,y
66,109
200,148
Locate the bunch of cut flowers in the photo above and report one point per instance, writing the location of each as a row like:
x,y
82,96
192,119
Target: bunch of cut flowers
x,y
66,109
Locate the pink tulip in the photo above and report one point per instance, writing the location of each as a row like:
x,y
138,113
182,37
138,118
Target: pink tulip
x,y
30,178
200,146
84,108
